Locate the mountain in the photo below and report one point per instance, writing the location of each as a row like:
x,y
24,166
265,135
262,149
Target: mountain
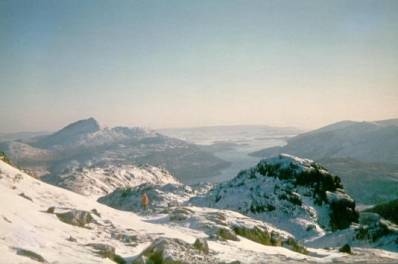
x,y
46,224
364,141
298,195
303,198
84,144
350,149
69,134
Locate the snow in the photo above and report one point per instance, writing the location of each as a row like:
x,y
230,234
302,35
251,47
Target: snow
x,y
24,223
97,181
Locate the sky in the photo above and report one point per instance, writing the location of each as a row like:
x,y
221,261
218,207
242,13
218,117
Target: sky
x,y
197,63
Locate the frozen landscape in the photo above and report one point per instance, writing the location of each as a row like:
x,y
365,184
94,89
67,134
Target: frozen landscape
x,y
198,132
43,223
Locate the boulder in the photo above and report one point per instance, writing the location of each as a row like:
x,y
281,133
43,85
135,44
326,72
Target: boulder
x,y
173,251
76,217
201,245
30,254
106,251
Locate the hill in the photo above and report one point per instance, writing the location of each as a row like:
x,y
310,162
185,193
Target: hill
x,y
84,144
350,149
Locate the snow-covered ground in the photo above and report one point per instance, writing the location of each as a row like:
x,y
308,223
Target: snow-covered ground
x,y
31,232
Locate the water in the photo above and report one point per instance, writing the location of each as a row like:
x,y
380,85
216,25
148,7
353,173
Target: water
x,y
239,158
242,139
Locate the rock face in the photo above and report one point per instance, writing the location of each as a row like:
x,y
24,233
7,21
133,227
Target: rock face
x,y
107,251
342,209
30,254
201,245
224,225
296,194
4,158
373,227
173,251
387,210
76,217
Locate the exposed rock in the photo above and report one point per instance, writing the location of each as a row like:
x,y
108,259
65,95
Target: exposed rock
x,y
261,235
227,234
107,251
71,239
180,214
95,211
30,254
23,195
297,195
343,211
4,158
387,210
201,245
173,251
345,249
125,238
372,227
159,197
76,217
292,244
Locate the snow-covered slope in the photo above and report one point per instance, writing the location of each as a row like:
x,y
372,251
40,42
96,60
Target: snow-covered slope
x,y
303,198
44,223
296,194
160,196
101,180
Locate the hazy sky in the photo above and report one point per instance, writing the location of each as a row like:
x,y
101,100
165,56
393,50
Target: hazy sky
x,y
194,63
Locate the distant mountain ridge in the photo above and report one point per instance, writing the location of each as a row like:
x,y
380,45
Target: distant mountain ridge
x,y
365,141
69,133
84,144
365,144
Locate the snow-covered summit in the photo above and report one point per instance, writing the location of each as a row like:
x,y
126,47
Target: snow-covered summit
x,y
69,134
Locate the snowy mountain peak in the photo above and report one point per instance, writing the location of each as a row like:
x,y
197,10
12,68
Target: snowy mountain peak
x,y
88,125
69,134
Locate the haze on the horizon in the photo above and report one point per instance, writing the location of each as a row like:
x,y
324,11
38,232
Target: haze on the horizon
x,y
197,63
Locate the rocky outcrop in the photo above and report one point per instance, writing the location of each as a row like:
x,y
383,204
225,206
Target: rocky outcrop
x,y
173,251
342,208
227,225
372,227
201,245
160,196
388,210
106,251
30,254
76,217
296,194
